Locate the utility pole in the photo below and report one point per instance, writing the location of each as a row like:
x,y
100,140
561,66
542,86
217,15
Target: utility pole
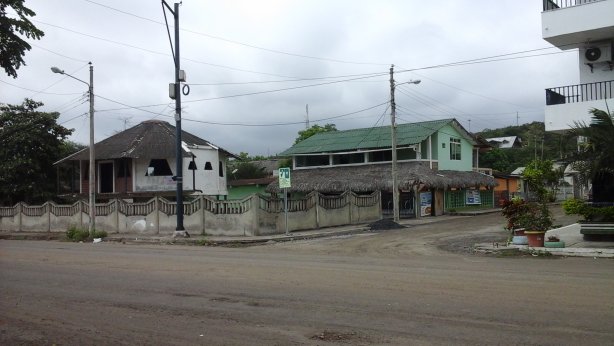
x,y
306,116
179,229
393,136
92,188
516,118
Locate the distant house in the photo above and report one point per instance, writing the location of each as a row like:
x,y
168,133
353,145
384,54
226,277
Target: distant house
x,y
435,166
140,162
505,142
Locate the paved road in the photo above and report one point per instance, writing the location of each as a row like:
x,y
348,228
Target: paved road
x,y
393,288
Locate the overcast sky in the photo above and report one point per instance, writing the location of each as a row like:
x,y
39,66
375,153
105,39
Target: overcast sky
x,y
232,48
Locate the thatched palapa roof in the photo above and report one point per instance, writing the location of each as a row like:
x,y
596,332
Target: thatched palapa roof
x,y
374,177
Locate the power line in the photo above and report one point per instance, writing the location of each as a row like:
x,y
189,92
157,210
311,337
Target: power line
x,y
237,42
37,91
59,54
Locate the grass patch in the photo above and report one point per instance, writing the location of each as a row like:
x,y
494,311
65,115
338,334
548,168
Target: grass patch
x,y
77,234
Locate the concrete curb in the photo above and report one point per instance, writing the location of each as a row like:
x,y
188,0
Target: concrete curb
x,y
488,248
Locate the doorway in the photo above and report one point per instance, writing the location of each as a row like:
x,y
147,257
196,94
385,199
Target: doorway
x,y
106,177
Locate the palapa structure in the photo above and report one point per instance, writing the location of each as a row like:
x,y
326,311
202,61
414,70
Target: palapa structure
x,y
368,178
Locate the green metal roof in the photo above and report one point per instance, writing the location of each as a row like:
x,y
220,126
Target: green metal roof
x,y
367,138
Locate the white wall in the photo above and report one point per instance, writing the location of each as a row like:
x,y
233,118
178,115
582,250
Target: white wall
x,y
578,23
208,181
562,117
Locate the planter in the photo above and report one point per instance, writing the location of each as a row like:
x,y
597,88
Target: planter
x,y
536,238
554,244
519,231
520,240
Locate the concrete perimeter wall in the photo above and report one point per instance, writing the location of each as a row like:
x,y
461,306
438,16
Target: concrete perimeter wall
x,y
253,215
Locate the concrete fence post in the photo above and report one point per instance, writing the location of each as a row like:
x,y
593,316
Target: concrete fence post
x,y
317,205
48,206
157,209
202,215
350,204
117,215
19,216
80,214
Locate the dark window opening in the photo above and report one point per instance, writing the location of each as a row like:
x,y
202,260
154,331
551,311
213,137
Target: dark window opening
x,y
221,169
380,156
86,172
312,160
157,168
346,159
208,166
123,168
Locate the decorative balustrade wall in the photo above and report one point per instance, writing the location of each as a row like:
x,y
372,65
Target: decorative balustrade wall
x,y
253,215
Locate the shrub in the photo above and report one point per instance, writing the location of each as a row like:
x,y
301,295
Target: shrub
x,y
77,234
589,212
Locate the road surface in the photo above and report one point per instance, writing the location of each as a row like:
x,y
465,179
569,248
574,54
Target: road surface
x,y
415,286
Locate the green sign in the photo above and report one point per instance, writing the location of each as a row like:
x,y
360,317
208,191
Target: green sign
x,y
284,178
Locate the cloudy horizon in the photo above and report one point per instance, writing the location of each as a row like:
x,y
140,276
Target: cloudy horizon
x,y
253,67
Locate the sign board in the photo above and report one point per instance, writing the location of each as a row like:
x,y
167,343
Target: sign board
x,y
284,178
472,197
426,203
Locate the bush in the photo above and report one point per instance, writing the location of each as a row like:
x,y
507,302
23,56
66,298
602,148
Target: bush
x,y
590,213
79,234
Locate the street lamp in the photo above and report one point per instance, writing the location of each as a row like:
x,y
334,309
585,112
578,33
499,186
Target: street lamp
x,y
393,129
92,174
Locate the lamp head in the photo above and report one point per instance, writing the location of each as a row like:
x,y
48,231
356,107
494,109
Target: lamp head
x,y
56,70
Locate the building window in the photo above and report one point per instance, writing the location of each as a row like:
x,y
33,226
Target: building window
x,y
157,168
455,149
380,156
311,160
123,169
221,169
208,166
346,159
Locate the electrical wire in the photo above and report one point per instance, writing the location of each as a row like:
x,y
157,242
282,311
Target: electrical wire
x,y
37,91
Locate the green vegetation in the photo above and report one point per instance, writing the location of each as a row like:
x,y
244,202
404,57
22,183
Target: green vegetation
x,y
304,134
589,212
79,234
12,29
536,143
31,141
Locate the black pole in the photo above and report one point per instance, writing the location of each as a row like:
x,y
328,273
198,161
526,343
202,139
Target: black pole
x,y
179,151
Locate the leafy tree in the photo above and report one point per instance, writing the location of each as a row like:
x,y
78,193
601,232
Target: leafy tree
x,y
542,178
30,142
248,170
497,159
304,134
12,46
595,156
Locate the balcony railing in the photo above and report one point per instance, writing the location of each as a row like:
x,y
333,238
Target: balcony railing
x,y
580,93
550,5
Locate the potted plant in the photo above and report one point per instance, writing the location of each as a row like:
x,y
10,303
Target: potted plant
x,y
554,242
536,220
513,210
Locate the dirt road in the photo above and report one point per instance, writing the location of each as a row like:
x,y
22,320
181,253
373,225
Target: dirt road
x,y
394,288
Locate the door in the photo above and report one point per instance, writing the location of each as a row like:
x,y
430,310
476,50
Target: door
x,y
106,177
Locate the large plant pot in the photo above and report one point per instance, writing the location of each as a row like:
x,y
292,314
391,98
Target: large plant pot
x,y
554,244
520,240
536,238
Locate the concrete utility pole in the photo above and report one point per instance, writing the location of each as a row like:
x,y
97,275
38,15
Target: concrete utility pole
x,y
393,136
92,163
179,229
92,225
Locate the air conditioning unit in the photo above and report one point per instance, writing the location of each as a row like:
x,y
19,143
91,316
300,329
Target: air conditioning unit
x,y
598,53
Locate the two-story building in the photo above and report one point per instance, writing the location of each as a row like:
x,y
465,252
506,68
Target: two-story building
x,y
435,166
588,27
140,162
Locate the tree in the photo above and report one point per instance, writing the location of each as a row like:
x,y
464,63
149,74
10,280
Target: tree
x,y
30,142
304,134
542,179
12,46
595,156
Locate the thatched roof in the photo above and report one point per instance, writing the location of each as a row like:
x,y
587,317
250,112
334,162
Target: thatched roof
x,y
378,177
149,139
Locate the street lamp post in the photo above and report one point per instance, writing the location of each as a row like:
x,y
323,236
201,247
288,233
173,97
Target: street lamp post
x,y
393,135
92,169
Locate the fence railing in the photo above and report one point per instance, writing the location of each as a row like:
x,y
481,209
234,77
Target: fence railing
x,y
550,5
580,93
